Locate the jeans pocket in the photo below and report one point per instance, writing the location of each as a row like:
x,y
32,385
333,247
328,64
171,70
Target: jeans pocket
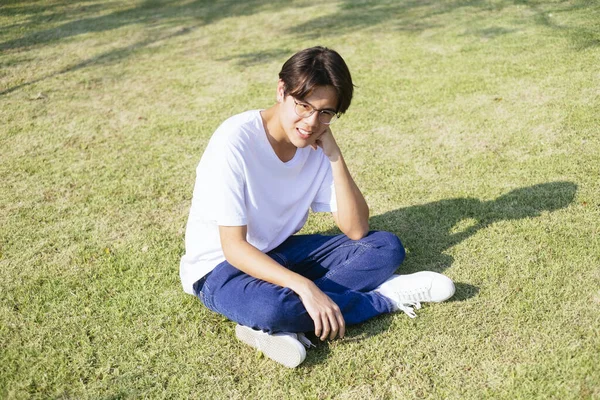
x,y
202,291
206,297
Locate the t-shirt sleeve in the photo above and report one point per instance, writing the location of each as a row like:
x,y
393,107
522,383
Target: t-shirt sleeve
x,y
220,186
325,200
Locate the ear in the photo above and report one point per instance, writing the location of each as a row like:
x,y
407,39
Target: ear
x,y
280,91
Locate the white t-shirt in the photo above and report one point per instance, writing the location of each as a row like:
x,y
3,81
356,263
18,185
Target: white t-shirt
x,y
241,181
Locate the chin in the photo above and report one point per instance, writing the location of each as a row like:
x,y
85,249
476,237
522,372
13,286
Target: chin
x,y
302,145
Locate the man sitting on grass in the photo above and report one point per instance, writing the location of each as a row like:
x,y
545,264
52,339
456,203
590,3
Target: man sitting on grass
x,y
259,175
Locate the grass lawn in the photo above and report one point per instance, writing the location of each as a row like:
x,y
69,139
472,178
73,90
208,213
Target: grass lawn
x,y
473,135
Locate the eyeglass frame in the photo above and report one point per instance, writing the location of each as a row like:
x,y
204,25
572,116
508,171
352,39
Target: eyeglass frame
x,y
334,117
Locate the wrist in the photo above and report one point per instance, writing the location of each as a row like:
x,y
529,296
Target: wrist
x,y
301,286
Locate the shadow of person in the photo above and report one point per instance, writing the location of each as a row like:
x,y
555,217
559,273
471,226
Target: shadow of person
x,y
428,230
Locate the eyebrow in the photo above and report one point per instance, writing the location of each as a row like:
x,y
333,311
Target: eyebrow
x,y
316,109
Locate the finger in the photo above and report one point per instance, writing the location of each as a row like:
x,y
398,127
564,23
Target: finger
x,y
318,326
342,325
334,326
326,328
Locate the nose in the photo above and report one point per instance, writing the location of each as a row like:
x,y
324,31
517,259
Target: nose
x,y
313,120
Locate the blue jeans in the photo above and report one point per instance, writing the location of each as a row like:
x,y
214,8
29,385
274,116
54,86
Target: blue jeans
x,y
344,269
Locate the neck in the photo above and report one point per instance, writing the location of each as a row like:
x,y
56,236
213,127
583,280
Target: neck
x,y
277,137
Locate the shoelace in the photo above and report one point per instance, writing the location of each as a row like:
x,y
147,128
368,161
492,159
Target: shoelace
x,y
415,295
407,308
304,340
412,298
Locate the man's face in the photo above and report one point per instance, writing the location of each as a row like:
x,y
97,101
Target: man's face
x,y
302,132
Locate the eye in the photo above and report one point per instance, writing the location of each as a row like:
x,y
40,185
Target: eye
x,y
305,107
329,113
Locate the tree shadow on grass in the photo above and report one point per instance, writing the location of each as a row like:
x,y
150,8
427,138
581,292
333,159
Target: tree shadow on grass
x,y
428,230
149,12
349,16
161,18
419,15
106,58
162,21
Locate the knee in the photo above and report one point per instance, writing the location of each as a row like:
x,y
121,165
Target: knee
x,y
281,315
390,244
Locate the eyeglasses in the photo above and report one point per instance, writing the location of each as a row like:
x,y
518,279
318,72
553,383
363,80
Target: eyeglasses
x,y
304,110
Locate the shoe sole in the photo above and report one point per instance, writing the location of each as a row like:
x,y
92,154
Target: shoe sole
x,y
282,349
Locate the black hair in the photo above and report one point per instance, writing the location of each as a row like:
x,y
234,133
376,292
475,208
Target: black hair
x,y
317,66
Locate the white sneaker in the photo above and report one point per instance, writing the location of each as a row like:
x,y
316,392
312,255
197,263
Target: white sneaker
x,y
285,348
408,291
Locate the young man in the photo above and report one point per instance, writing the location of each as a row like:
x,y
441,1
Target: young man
x,y
259,175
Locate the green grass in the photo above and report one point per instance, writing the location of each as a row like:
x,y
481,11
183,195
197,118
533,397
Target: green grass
x,y
473,135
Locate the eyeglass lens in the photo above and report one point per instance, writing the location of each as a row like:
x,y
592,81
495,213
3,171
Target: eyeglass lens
x,y
305,111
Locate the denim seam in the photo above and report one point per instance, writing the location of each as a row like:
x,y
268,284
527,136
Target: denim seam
x,y
363,248
314,258
208,302
206,299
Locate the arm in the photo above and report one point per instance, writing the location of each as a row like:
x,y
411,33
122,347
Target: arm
x,y
238,252
352,216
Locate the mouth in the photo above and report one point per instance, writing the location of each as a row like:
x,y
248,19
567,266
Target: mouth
x,y
303,133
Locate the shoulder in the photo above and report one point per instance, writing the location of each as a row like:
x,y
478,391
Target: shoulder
x,y
238,128
234,138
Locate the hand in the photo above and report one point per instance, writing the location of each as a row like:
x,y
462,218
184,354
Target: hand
x,y
327,142
326,315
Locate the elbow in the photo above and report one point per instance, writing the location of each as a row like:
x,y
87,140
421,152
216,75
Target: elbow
x,y
355,228
227,253
356,236
230,251
358,233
